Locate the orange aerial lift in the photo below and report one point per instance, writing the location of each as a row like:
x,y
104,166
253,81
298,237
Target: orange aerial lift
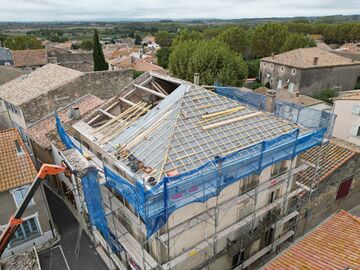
x,y
15,220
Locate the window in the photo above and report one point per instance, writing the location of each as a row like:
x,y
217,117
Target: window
x,y
238,258
278,168
272,65
27,230
344,189
19,195
264,64
355,131
356,110
293,71
282,68
279,84
291,87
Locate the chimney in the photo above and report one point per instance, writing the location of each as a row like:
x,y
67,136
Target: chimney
x,y
297,94
196,78
270,100
76,112
273,55
316,61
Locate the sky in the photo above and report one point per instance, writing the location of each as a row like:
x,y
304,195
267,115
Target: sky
x,y
70,10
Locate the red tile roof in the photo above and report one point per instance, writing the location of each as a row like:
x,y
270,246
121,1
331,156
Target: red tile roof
x,y
28,58
39,131
334,244
15,169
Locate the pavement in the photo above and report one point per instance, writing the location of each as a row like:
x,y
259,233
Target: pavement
x,y
62,256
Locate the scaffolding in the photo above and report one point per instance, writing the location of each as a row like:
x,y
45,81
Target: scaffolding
x,y
199,177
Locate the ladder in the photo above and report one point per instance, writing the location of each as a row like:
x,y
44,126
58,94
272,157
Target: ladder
x,y
78,241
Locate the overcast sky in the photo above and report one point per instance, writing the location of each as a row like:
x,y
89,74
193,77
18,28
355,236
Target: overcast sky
x,y
52,10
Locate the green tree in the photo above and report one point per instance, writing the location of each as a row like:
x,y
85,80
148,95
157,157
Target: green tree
x,y
253,68
87,45
162,56
98,55
213,59
295,41
211,33
326,95
138,39
236,38
186,35
163,38
23,43
268,38
3,37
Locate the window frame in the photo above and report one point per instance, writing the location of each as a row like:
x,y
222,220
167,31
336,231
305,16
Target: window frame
x,y
13,193
26,219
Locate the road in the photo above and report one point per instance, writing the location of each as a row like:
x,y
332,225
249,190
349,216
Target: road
x,y
63,253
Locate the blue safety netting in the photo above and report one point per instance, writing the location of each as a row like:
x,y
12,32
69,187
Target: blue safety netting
x,y
92,193
304,116
156,204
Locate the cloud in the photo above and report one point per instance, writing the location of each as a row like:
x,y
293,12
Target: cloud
x,y
54,10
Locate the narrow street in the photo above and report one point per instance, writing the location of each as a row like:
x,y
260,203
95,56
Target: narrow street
x,y
62,255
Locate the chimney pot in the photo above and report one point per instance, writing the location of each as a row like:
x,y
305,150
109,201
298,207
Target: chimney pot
x,y
196,78
270,100
297,94
76,111
316,59
273,55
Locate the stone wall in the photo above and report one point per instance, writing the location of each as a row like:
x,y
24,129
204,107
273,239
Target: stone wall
x,y
103,84
80,66
323,201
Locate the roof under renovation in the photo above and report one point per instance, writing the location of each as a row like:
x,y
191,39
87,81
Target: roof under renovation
x,y
185,130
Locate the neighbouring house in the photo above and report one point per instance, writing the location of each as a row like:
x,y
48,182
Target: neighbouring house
x,y
347,123
30,59
9,73
6,57
135,63
80,61
17,172
29,98
349,50
334,185
212,178
308,71
334,244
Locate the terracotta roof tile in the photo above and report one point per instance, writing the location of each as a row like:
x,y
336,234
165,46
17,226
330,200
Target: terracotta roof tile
x,y
36,83
304,58
332,157
39,131
15,169
334,244
28,58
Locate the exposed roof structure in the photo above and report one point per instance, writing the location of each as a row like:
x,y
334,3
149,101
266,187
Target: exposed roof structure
x,y
304,58
334,244
28,58
8,73
16,166
39,131
333,155
36,83
188,128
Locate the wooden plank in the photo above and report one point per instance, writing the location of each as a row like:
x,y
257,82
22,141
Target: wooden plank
x,y
127,101
159,88
106,113
225,112
150,91
229,121
107,109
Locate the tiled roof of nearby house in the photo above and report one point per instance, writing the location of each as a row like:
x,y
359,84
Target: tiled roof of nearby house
x,y
28,58
334,244
350,47
36,83
304,58
5,55
38,131
8,73
333,155
349,95
16,169
323,46
142,65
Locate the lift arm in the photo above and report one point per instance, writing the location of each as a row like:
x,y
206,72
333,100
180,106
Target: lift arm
x,y
15,220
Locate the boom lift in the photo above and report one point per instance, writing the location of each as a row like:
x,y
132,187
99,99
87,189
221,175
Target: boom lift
x,y
15,220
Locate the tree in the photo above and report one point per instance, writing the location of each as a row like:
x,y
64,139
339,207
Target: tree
x,y
162,56
326,95
87,45
236,38
268,38
98,55
163,38
138,39
212,59
253,68
23,43
3,37
295,41
186,35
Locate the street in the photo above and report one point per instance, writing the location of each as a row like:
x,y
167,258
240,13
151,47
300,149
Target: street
x,y
62,256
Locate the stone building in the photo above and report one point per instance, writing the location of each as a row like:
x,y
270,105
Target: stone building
x,y
17,172
335,186
308,71
30,59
